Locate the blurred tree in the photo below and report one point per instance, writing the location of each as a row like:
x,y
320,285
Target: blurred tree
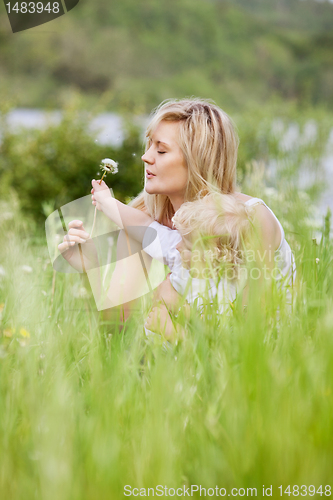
x,y
144,52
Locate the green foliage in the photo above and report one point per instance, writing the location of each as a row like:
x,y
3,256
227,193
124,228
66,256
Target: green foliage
x,y
56,165
140,53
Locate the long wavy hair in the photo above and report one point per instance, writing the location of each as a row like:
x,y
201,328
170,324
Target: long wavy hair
x,y
209,143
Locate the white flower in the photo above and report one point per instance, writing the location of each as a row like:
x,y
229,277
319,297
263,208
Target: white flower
x,y
109,165
317,260
79,292
27,269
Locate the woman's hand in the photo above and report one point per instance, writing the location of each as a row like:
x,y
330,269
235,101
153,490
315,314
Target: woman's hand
x,y
159,321
100,194
166,294
70,250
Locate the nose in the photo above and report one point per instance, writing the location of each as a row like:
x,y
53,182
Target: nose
x,y
147,157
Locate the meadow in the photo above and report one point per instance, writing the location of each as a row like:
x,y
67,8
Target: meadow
x,y
245,400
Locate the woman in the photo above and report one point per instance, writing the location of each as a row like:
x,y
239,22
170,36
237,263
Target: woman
x,y
191,147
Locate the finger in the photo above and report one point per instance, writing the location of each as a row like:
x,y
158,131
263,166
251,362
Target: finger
x,y
78,232
65,246
75,223
75,239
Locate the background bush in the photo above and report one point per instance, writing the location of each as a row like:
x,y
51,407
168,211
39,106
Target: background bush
x,y
51,167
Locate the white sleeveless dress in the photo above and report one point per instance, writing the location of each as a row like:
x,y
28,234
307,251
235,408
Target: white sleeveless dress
x,y
161,245
226,291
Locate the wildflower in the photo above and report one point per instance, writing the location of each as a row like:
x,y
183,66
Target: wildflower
x,y
80,292
24,333
8,332
317,260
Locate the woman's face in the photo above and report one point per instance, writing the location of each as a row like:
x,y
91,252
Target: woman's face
x,y
166,171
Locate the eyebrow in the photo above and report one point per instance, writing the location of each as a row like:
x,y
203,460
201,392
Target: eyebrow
x,y
158,142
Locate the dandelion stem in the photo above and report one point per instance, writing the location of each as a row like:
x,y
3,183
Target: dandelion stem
x,y
109,166
102,178
92,229
96,210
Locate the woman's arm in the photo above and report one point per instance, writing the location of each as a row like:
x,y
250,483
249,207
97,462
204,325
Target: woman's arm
x,y
121,214
130,279
159,321
167,295
165,303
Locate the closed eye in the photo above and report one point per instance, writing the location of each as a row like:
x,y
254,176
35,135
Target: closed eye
x,y
161,152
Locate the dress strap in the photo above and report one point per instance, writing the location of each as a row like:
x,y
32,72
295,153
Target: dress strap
x,y
254,201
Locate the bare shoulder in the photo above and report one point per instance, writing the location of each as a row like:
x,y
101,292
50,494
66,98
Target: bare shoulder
x,y
267,223
270,230
242,196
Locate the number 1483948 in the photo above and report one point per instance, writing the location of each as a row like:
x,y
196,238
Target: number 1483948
x,y
32,7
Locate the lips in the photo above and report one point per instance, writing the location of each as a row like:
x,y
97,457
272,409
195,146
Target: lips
x,y
149,174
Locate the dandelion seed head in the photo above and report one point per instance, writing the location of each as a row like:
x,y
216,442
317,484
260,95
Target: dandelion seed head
x,y
109,166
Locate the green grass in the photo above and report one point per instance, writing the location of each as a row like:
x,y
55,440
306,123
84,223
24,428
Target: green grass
x,y
243,401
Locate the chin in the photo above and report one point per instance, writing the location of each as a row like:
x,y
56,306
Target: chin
x,y
151,190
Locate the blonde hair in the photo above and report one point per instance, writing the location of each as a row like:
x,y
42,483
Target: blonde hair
x,y
209,143
223,220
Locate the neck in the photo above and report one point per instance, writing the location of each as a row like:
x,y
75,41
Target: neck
x,y
176,202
